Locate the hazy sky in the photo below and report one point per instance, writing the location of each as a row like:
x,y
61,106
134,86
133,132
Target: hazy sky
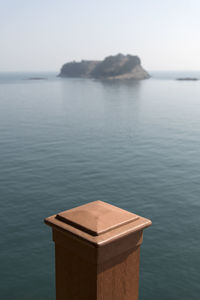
x,y
43,34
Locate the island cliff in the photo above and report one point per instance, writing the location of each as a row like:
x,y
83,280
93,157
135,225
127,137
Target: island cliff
x,y
112,67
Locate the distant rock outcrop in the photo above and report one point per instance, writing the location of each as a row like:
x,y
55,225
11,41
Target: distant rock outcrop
x,y
188,78
112,67
37,78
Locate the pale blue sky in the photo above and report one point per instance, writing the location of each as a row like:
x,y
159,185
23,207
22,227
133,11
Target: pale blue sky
x,y
41,35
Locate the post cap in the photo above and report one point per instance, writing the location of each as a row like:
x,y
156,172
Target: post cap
x,y
98,222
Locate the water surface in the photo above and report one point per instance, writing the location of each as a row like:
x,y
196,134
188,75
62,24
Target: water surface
x,y
65,142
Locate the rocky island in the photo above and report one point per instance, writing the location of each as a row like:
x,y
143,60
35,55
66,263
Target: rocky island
x,y
112,67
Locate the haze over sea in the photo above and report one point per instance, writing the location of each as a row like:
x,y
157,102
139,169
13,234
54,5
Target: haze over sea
x,y
66,142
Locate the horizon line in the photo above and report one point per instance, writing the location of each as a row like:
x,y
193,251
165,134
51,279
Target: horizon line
x,y
56,71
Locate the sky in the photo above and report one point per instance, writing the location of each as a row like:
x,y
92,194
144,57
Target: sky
x,y
41,35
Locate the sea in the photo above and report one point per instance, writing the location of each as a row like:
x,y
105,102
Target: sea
x,y
135,144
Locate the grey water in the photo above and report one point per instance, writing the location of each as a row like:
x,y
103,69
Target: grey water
x,y
66,142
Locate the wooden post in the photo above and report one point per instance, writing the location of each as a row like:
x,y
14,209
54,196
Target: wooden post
x,y
97,248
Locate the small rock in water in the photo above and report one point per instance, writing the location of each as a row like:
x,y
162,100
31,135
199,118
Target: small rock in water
x,y
188,78
37,78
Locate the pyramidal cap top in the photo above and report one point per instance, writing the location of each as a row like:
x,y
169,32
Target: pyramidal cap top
x,y
98,222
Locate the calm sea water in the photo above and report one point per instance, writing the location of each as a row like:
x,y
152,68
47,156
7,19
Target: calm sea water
x,y
65,142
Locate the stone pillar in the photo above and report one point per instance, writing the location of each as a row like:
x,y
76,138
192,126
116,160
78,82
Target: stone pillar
x,y
97,250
